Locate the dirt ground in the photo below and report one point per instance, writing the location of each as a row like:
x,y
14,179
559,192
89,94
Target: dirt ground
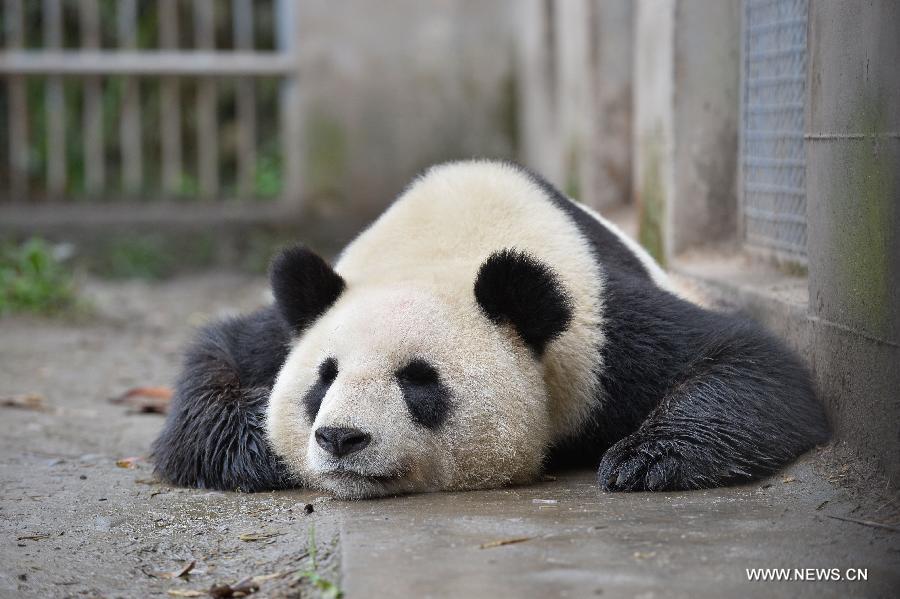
x,y
73,523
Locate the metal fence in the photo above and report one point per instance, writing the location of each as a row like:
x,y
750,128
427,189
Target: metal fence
x,y
774,97
137,98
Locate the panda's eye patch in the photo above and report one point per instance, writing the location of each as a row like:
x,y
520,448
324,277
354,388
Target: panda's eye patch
x,y
328,370
418,372
426,397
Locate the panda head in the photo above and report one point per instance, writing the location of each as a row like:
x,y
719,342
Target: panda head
x,y
409,388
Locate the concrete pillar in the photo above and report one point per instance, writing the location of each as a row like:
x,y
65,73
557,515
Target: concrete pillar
x,y
536,73
686,120
853,213
609,154
654,123
574,73
574,101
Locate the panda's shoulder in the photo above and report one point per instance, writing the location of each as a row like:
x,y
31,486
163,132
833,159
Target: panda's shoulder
x,y
611,247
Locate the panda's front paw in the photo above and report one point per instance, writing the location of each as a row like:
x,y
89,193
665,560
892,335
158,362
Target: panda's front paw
x,y
641,462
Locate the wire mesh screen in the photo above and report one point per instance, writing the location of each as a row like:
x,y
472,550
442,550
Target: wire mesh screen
x,y
774,160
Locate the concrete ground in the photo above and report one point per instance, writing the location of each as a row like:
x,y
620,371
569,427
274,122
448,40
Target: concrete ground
x,y
75,524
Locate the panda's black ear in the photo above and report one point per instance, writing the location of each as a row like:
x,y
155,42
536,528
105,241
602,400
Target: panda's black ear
x,y
304,286
517,288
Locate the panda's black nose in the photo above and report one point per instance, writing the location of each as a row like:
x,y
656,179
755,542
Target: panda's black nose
x,y
340,441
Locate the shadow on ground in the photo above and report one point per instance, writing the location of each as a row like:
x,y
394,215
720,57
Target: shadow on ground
x,y
73,523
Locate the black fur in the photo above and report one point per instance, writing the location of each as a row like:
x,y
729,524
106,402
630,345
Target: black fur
x,y
688,398
312,401
513,287
304,286
427,399
213,436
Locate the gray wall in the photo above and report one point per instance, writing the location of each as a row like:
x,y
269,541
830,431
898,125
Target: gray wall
x,y
391,87
654,123
707,113
575,73
853,191
686,89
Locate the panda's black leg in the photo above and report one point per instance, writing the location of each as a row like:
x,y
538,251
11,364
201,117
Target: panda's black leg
x,y
744,408
214,435
672,453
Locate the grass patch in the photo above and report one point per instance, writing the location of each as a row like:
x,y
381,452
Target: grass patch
x,y
326,588
33,279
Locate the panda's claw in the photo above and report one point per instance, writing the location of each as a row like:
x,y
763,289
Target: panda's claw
x,y
630,473
638,464
662,474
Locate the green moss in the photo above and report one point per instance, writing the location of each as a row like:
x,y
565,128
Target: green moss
x,y
791,268
327,154
864,240
572,182
651,203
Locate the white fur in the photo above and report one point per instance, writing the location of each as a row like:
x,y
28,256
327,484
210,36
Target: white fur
x,y
409,293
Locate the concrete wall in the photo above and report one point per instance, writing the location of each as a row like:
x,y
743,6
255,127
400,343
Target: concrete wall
x,y
686,119
853,204
391,87
610,153
575,74
654,124
574,94
707,117
536,68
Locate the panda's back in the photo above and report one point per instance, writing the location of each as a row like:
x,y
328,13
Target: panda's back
x,y
453,217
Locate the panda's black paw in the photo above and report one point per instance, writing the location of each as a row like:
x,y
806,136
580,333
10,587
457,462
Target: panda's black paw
x,y
642,463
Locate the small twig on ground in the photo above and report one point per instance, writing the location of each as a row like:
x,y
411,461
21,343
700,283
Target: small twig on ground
x,y
258,536
26,401
867,523
34,537
502,542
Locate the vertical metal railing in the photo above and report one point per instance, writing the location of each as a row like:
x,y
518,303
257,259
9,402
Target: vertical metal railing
x,y
92,120
287,18
207,105
242,17
54,102
169,102
17,117
130,134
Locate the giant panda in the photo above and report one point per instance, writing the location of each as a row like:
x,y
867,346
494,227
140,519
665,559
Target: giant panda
x,y
484,329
